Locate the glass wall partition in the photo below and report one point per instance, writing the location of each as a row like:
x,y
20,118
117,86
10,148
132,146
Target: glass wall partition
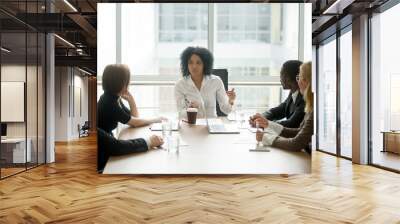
x,y
326,96
22,92
346,93
14,153
385,89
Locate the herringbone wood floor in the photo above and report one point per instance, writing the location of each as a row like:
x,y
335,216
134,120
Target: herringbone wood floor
x,y
70,191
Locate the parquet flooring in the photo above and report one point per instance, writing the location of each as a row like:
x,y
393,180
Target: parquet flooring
x,y
70,191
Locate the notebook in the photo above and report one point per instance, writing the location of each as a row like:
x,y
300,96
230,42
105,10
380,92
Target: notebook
x,y
158,126
216,126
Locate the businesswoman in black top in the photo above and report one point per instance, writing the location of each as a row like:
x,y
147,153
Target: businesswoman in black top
x,y
111,110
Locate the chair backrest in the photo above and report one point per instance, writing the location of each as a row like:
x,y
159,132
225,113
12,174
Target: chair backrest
x,y
86,125
223,74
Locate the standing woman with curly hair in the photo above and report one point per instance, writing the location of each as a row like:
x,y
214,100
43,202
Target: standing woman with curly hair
x,y
199,88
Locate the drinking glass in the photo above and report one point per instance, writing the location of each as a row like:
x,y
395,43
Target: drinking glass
x,y
240,113
166,128
259,129
173,144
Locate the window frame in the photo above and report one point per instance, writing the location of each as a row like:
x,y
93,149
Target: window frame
x,y
157,78
371,15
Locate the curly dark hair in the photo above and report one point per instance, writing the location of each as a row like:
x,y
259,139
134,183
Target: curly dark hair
x,y
204,54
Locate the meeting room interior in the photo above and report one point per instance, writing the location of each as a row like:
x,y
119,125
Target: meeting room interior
x,y
199,112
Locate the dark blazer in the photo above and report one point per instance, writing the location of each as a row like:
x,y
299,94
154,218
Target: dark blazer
x,y
108,145
296,139
293,112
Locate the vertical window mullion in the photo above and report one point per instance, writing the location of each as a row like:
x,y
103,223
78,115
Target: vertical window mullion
x,y
338,95
316,106
26,88
300,38
118,34
211,29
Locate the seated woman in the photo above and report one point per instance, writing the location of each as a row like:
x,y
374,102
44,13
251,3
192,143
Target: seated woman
x,y
111,110
199,88
294,139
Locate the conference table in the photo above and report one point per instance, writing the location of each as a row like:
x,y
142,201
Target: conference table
x,y
204,153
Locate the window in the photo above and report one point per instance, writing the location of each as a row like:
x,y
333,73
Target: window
x,y
187,24
234,21
106,35
251,40
346,94
385,84
153,48
327,97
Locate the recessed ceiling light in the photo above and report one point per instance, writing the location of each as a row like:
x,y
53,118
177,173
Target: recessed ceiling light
x,y
64,40
337,7
5,50
70,5
84,71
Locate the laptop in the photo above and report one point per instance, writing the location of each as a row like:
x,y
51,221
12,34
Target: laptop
x,y
216,126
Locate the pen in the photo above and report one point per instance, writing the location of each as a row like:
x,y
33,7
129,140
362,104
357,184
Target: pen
x,y
259,150
187,102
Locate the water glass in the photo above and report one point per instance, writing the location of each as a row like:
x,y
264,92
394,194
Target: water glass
x,y
173,144
259,129
166,128
239,115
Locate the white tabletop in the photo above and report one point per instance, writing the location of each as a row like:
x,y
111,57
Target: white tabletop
x,y
13,140
203,153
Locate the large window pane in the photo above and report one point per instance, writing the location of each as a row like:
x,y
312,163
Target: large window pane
x,y
327,97
106,36
385,84
346,94
153,47
253,40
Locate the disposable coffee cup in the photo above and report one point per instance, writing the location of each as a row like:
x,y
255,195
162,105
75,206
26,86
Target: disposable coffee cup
x,y
191,115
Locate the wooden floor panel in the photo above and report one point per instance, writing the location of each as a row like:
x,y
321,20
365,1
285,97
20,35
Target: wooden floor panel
x,y
70,191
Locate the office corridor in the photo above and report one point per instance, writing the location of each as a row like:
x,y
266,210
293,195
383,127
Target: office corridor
x,y
70,191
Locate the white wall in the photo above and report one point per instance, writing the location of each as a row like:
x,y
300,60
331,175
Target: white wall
x,y
61,103
69,82
14,73
33,126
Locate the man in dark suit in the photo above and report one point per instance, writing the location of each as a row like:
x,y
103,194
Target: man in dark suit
x,y
289,113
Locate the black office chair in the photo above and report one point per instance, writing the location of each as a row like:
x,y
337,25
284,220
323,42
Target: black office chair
x,y
84,129
223,74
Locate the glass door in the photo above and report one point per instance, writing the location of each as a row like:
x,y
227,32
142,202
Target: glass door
x,y
326,96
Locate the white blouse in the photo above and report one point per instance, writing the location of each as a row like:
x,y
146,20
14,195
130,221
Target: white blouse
x,y
212,90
